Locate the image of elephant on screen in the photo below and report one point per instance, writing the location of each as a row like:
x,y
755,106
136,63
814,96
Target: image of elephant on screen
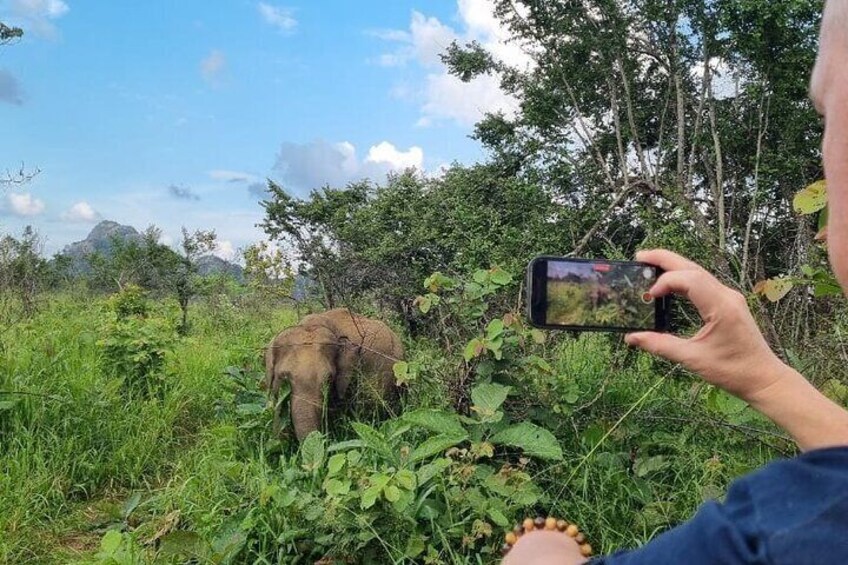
x,y
329,349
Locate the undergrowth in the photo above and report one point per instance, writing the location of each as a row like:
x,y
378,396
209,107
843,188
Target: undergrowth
x,y
504,423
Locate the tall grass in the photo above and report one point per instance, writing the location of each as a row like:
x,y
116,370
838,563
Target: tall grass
x,y
644,444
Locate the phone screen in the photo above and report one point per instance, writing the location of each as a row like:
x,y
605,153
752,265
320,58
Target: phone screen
x,y
595,295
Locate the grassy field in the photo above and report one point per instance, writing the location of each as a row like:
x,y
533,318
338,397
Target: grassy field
x,y
92,474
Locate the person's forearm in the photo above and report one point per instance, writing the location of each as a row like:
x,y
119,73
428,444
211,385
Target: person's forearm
x,y
812,419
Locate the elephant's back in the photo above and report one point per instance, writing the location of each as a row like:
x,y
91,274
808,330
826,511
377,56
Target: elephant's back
x,y
374,334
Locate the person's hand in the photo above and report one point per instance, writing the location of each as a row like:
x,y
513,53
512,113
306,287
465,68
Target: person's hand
x,y
544,548
729,351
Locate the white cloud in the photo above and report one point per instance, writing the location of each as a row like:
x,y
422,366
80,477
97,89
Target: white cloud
x,y
390,155
212,66
308,166
448,98
38,15
445,97
231,176
426,39
24,205
225,250
280,18
81,212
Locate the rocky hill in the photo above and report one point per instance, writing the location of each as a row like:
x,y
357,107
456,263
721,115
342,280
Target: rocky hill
x,y
102,238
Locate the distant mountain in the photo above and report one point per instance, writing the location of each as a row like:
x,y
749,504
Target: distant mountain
x,y
213,265
98,241
101,239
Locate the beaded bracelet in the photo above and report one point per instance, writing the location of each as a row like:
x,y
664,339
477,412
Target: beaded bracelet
x,y
551,524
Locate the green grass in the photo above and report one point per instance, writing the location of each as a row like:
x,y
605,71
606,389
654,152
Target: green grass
x,y
643,446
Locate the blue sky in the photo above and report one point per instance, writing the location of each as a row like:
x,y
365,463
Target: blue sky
x,y
174,113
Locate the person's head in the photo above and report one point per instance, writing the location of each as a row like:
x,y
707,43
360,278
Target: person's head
x,y
829,91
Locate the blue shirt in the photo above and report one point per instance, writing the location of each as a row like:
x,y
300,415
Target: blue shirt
x,y
789,512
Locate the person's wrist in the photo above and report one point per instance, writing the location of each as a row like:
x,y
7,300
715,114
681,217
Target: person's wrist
x,y
777,376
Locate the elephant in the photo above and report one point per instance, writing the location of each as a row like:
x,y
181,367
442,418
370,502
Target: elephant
x,y
329,348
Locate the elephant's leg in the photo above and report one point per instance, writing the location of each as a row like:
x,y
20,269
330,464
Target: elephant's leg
x,y
307,406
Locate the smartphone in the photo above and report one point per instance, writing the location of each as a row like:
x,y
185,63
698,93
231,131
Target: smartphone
x,y
595,295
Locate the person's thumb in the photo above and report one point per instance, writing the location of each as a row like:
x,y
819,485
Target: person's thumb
x,y
665,345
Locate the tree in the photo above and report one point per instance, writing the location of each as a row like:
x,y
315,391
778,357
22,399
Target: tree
x,y
368,244
23,273
154,266
182,277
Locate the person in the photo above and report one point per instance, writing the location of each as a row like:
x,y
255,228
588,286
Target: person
x,y
791,511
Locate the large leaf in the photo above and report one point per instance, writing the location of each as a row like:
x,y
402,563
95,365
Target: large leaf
x,y
312,451
437,421
372,439
183,543
488,397
811,199
435,445
534,440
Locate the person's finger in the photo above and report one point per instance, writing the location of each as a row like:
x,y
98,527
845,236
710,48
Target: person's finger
x,y
698,286
669,346
667,260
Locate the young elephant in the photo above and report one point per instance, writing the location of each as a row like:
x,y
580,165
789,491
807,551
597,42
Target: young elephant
x,y
328,348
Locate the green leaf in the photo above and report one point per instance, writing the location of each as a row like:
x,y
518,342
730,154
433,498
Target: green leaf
x,y
372,439
345,445
500,277
725,403
644,466
392,493
538,336
473,349
336,487
406,479
435,445
183,543
529,437
494,329
312,451
130,505
415,546
811,199
430,470
823,289
480,276
335,464
435,420
488,397
250,409
497,517
111,542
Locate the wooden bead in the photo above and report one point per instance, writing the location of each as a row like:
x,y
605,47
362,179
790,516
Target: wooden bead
x,y
561,525
539,523
580,538
550,523
505,548
572,530
528,524
511,538
518,529
585,550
